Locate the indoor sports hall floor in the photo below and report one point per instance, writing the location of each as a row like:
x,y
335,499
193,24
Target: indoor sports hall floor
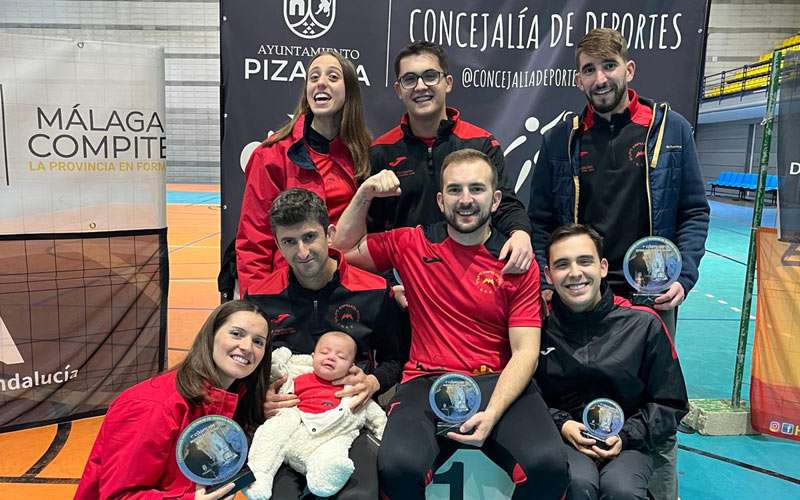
x,y
45,463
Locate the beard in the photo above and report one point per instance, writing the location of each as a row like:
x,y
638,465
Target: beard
x,y
618,93
481,215
308,269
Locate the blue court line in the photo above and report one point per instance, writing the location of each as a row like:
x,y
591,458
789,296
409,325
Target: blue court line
x,y
741,464
703,478
754,451
726,257
726,467
708,319
193,198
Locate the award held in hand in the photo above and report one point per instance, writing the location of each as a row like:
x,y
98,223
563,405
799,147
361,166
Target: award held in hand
x,y
454,398
602,418
212,452
651,265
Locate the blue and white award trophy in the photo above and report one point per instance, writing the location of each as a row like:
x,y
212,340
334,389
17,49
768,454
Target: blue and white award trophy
x,y
651,265
454,398
212,452
602,418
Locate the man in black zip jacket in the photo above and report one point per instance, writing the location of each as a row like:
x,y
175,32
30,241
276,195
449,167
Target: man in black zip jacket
x,y
319,293
627,166
415,149
597,345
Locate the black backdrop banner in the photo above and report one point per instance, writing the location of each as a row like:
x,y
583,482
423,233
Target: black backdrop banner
x,y
512,61
789,150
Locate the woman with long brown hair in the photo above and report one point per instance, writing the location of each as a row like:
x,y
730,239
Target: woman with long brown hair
x,y
323,148
226,372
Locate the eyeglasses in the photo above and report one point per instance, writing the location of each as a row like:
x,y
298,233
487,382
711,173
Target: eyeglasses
x,y
430,77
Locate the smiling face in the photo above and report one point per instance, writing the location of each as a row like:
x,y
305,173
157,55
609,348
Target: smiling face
x,y
423,102
575,270
305,247
333,355
604,82
467,199
239,346
325,88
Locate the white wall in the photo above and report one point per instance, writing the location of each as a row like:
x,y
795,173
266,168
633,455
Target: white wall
x,y
741,30
189,32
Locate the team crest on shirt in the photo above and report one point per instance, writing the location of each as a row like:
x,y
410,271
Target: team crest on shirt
x,y
488,281
346,316
636,154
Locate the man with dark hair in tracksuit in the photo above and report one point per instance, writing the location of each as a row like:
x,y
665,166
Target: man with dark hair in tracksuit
x,y
414,151
598,345
319,292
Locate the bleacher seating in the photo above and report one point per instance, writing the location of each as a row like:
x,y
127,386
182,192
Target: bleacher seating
x,y
749,77
743,183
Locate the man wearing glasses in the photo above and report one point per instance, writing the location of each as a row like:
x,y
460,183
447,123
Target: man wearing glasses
x,y
415,150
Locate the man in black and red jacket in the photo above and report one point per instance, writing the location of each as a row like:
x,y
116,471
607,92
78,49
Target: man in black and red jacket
x,y
415,149
319,293
597,345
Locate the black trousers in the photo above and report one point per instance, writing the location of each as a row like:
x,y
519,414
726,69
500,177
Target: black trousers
x,y
524,442
623,478
363,484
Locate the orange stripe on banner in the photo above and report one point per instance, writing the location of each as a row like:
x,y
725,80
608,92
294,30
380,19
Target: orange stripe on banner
x,y
775,384
776,348
775,409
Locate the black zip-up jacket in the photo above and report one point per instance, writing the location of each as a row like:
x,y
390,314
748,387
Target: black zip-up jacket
x,y
615,351
354,301
678,209
418,168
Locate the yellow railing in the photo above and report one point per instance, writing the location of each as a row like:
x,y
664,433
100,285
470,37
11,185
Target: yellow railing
x,y
749,77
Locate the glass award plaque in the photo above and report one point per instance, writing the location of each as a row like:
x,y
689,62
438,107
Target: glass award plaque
x,y
212,452
454,398
651,265
602,418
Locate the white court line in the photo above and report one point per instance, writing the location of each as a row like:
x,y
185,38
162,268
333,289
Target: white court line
x,y
720,301
193,246
191,243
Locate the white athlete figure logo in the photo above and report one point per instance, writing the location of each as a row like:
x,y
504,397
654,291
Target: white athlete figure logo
x,y
531,125
324,7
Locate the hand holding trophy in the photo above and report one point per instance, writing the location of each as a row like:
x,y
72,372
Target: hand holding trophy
x,y
603,418
454,398
651,265
212,452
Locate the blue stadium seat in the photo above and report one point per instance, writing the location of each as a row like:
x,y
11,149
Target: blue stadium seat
x,y
772,183
743,182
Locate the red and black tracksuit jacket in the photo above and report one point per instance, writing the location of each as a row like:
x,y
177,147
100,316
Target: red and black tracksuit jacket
x,y
418,167
355,302
615,351
303,159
